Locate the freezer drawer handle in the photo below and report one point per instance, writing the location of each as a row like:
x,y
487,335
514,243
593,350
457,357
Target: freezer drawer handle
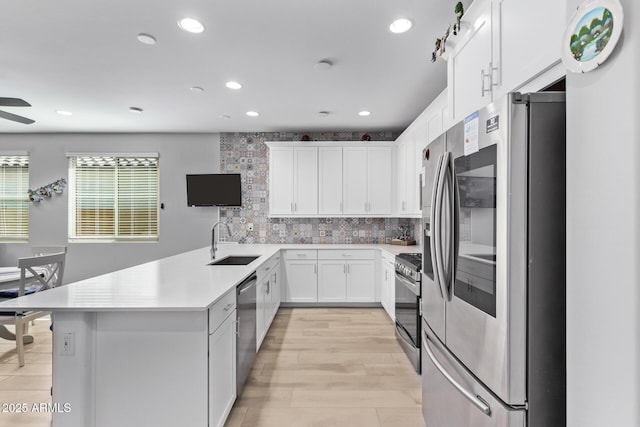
x,y
476,400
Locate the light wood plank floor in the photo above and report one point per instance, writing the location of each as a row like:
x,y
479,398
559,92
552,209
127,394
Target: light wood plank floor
x,y
29,384
318,367
330,367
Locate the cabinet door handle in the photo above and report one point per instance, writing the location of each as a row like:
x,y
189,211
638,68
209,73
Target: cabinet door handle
x,y
315,268
488,75
348,269
344,268
292,207
228,307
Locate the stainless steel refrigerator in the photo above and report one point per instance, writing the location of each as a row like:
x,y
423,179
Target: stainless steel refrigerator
x,y
493,285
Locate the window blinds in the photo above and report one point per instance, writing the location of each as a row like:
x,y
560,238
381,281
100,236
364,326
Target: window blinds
x,y
114,198
14,199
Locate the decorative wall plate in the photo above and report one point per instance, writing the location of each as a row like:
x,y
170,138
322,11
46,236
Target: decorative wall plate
x,y
592,34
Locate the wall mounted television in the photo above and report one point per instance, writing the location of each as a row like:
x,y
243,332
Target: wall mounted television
x,y
214,190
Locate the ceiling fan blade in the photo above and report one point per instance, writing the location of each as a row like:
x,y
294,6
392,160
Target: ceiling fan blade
x,y
14,102
15,118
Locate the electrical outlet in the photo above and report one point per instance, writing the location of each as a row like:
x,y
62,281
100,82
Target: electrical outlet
x,y
68,344
250,227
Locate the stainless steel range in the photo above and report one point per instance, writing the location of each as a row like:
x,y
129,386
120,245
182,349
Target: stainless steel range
x,y
408,323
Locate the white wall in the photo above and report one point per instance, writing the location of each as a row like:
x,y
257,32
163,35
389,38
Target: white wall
x,y
603,236
182,228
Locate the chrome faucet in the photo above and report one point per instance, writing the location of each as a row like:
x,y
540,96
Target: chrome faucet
x,y
213,237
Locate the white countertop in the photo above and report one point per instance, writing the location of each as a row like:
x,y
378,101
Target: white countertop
x,y
182,282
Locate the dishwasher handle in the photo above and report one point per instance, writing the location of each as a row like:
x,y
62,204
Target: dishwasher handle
x,y
247,284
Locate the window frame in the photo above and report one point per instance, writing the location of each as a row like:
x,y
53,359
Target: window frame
x,y
116,236
16,238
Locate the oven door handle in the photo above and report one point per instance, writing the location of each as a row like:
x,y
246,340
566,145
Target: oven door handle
x,y
473,398
413,287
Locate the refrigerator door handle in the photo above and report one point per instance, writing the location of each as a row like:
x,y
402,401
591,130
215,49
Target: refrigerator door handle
x,y
435,225
452,231
473,398
437,233
456,222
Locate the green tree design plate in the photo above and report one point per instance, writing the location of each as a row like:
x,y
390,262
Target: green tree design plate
x,y
592,34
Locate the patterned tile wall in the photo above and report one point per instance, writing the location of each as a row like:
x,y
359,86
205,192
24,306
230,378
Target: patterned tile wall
x,y
247,154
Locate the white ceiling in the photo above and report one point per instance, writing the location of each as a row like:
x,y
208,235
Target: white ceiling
x,y
84,57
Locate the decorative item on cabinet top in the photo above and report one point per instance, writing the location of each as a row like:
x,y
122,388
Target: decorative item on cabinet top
x,y
440,43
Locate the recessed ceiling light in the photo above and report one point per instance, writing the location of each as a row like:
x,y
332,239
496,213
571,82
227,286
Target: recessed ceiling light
x,y
196,89
146,39
323,113
400,25
191,25
64,113
233,85
364,113
323,65
136,110
253,113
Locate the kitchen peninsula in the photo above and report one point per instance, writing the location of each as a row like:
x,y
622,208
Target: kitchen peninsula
x,y
132,347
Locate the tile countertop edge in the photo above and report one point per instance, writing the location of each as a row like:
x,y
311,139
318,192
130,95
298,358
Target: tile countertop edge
x,y
152,286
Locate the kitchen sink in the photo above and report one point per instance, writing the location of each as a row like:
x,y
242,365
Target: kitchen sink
x,y
235,260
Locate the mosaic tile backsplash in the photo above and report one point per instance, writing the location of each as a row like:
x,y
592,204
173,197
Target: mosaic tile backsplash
x,y
247,154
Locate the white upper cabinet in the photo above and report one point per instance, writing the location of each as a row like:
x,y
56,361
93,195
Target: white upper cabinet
x,y
281,180
379,182
503,45
330,179
293,181
409,147
471,70
530,36
354,180
305,180
367,180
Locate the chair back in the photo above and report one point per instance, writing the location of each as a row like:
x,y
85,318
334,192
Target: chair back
x,y
48,270
46,250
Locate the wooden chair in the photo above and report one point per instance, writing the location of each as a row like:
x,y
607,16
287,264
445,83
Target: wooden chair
x,y
37,274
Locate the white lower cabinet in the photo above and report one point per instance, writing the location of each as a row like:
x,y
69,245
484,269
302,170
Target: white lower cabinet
x,y
262,288
302,281
268,295
387,286
361,281
332,281
222,370
346,276
301,275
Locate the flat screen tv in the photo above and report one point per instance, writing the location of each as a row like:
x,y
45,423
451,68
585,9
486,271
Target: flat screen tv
x,y
214,190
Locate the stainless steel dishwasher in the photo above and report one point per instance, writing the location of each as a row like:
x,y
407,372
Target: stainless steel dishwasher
x,y
246,338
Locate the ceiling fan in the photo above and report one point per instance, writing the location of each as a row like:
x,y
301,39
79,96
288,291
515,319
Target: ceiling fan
x,y
14,102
